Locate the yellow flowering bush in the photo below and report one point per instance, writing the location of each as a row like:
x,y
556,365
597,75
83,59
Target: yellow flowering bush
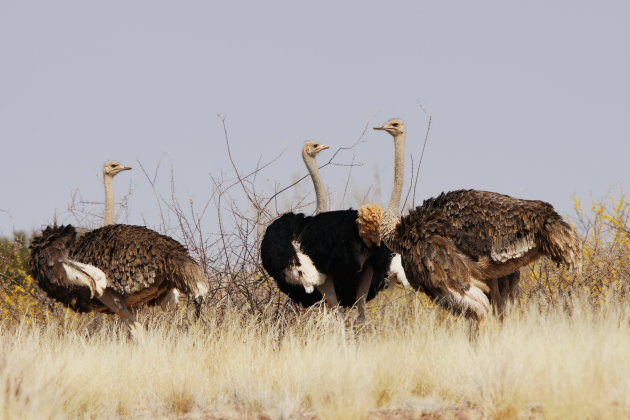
x,y
605,273
19,295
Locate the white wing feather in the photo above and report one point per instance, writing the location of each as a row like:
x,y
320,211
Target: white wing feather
x,y
85,275
305,273
396,271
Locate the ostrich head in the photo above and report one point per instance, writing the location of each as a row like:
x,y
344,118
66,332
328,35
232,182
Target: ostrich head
x,y
395,126
111,168
312,148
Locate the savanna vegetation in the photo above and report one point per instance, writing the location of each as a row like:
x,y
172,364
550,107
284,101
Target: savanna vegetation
x,y
562,351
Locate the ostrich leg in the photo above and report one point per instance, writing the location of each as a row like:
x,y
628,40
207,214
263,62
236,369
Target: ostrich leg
x,y
508,288
362,291
508,285
169,300
503,291
115,305
327,289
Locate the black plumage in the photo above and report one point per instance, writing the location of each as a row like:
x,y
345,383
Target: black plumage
x,y
332,241
278,254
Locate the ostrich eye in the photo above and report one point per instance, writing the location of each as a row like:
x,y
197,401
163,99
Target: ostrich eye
x,y
395,124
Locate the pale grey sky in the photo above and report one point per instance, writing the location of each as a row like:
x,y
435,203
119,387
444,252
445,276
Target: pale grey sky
x,y
528,98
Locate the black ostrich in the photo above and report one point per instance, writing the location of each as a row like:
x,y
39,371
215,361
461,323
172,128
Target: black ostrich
x,y
336,255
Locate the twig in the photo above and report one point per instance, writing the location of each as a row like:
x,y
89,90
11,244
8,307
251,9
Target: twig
x,y
345,189
238,176
424,145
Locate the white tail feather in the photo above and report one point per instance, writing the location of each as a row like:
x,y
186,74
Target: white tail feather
x,y
474,301
396,271
201,290
86,275
170,300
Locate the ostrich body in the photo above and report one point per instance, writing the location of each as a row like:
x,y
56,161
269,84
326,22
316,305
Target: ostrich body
x,y
464,248
112,269
325,255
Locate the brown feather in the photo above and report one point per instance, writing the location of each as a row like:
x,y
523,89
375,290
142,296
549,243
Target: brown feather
x,y
135,258
140,265
470,238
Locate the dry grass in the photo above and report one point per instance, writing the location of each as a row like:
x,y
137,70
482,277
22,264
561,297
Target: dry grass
x,y
542,362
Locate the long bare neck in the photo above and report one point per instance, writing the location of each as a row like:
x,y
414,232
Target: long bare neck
x,y
320,189
399,171
391,216
108,218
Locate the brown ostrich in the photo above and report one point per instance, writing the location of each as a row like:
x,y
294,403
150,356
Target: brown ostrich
x,y
113,269
464,248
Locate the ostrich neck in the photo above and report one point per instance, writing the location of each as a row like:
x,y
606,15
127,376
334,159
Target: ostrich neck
x,y
320,189
399,171
108,218
391,216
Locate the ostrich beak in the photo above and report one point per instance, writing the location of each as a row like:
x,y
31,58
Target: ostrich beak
x,y
378,128
126,168
322,147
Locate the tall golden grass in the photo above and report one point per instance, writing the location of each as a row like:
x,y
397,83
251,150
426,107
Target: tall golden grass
x,y
542,362
562,351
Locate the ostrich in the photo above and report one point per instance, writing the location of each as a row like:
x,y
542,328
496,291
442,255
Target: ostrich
x,y
294,272
326,255
464,248
114,269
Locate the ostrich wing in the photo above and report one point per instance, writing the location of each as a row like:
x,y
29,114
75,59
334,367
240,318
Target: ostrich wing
x,y
332,241
59,277
85,275
482,223
279,256
434,266
134,258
